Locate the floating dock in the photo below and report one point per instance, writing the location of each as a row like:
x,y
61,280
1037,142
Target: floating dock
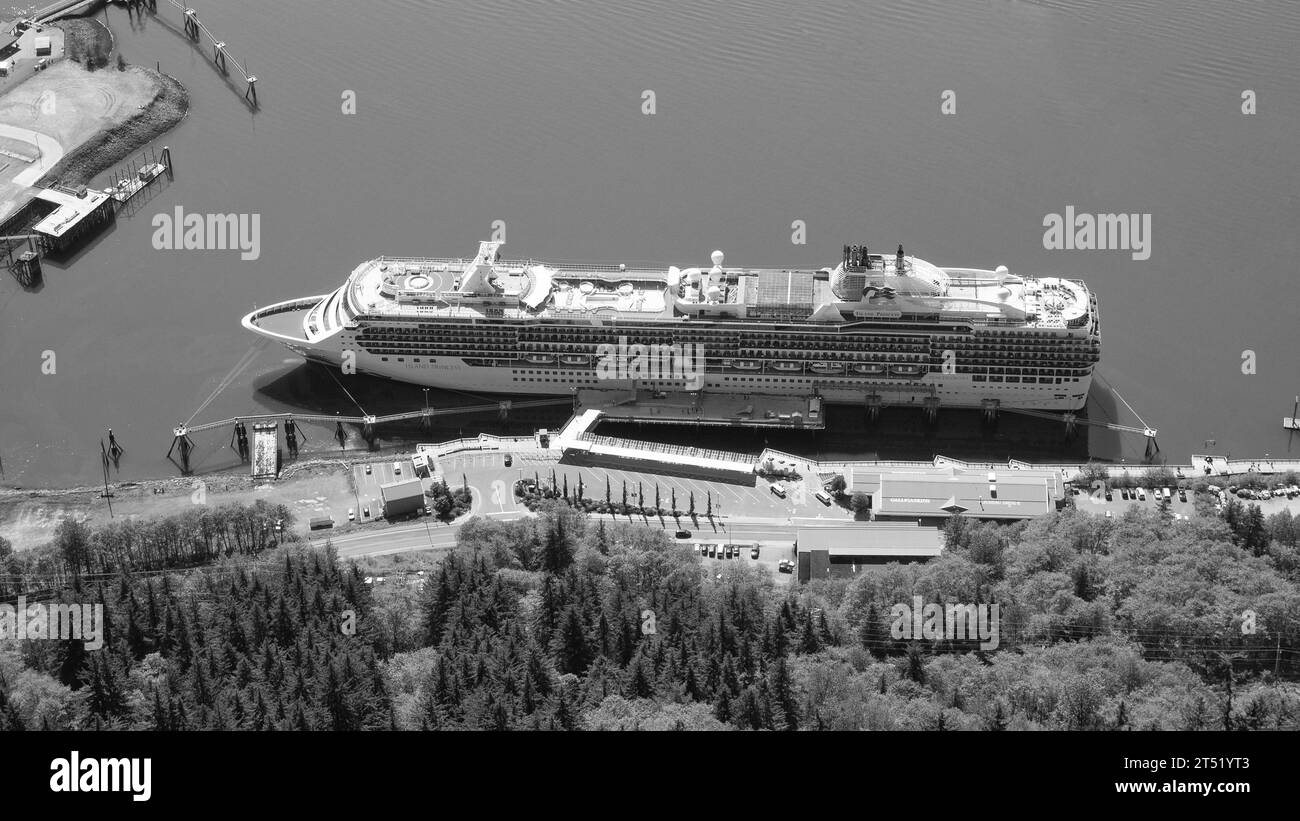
x,y
749,410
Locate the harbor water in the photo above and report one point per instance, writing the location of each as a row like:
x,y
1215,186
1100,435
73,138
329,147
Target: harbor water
x,y
953,128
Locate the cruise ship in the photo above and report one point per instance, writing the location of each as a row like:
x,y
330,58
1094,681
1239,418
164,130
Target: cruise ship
x,y
889,325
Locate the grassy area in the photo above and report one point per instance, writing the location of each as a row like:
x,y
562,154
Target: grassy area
x,y
112,145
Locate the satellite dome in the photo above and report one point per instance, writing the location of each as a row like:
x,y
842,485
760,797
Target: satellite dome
x,y
717,257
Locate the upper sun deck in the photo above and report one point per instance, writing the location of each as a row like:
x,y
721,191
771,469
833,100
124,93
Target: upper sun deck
x,y
903,289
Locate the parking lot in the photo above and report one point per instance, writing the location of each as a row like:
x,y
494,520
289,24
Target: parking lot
x,y
720,498
1095,501
367,479
770,554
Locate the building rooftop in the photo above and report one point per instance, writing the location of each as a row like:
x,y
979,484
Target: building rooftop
x,y
405,489
873,539
71,210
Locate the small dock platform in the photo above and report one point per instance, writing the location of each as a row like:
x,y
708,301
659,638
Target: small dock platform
x,y
266,450
128,187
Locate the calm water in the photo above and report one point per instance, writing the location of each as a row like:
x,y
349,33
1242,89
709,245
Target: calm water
x,y
530,112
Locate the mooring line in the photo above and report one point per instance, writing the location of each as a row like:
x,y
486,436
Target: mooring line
x,y
240,366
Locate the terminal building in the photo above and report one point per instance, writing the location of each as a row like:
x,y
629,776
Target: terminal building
x,y
828,552
932,496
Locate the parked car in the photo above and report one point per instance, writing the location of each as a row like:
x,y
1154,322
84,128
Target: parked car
x,y
1182,494
753,554
367,469
1110,497
785,566
1123,493
824,497
683,534
778,490
697,548
509,460
397,468
1142,494
365,511
352,515
713,550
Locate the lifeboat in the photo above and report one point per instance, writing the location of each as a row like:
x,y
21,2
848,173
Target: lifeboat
x,y
905,370
539,358
746,365
827,367
575,359
869,368
787,367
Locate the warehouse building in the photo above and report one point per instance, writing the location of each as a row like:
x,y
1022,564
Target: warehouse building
x,y
935,495
826,552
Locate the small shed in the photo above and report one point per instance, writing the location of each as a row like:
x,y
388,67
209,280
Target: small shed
x,y
43,47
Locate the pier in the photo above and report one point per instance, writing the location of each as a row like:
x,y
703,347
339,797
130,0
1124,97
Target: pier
x,y
60,217
183,446
196,31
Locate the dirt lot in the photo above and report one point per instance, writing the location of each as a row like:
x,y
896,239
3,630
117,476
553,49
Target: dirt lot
x,y
58,109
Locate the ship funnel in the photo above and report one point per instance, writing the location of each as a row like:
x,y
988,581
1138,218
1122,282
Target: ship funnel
x,y
898,264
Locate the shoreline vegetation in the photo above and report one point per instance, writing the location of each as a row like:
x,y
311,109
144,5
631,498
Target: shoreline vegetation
x,y
211,620
91,43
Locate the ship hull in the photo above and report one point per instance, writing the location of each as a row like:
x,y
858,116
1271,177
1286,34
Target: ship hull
x,y
525,378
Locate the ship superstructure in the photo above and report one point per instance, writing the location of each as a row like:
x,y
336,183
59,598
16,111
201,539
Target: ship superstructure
x,y
892,326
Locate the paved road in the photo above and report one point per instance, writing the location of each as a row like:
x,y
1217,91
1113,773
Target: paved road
x,y
429,534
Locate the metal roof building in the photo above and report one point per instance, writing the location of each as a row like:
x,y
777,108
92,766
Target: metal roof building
x,y
840,551
946,492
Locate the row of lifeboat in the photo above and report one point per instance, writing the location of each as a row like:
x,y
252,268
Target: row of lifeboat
x,y
781,366
580,359
862,368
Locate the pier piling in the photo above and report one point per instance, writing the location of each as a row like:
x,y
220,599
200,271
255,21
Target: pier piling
x,y
931,407
873,407
181,441
115,450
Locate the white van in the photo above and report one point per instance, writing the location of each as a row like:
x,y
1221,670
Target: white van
x,y
824,497
779,490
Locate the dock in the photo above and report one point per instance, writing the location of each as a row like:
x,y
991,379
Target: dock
x,y
749,410
266,451
77,213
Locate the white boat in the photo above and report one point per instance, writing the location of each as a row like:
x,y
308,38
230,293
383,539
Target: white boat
x,y
827,367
